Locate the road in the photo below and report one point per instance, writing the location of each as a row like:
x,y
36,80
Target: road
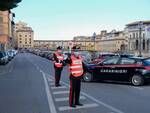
x,y
27,86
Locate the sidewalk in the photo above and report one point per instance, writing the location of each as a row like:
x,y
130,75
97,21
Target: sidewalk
x,y
3,69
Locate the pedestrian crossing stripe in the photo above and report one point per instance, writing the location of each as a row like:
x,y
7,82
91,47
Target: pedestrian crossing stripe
x,y
61,87
52,83
64,108
67,98
60,92
50,80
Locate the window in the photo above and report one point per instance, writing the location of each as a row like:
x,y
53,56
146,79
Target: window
x,y
111,61
136,35
20,35
147,62
20,38
25,35
137,44
127,61
143,35
148,44
133,35
1,54
143,44
20,41
130,36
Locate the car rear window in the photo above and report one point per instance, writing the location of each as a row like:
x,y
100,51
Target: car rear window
x,y
127,61
147,62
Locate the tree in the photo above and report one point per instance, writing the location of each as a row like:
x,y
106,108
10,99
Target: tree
x,y
8,4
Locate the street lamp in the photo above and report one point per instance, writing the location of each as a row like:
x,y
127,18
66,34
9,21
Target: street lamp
x,y
140,25
94,38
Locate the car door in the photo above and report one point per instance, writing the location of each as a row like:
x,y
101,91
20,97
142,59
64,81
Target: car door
x,y
108,67
124,69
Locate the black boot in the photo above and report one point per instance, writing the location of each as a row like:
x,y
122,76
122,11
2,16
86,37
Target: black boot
x,y
73,106
79,104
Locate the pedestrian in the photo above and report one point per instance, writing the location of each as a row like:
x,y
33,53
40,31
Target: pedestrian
x,y
76,68
58,65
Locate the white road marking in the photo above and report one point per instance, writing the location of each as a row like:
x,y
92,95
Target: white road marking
x,y
3,73
96,100
92,98
52,83
60,87
64,108
67,98
60,92
50,80
49,96
139,88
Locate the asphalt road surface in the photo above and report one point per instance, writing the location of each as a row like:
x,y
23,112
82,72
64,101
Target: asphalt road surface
x,y
27,86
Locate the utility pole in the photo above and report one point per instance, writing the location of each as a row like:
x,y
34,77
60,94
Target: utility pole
x,y
140,38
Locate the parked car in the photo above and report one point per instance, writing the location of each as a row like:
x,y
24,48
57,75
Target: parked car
x,y
50,56
120,68
101,57
3,58
86,56
10,55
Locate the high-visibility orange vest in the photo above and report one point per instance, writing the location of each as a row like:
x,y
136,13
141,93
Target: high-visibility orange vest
x,y
60,57
76,67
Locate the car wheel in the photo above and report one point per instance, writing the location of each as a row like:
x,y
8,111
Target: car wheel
x,y
87,77
137,80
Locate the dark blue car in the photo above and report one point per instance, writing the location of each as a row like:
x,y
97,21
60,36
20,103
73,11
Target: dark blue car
x,y
118,68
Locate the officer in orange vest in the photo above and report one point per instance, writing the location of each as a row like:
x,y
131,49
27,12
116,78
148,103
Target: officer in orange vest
x,y
58,65
76,68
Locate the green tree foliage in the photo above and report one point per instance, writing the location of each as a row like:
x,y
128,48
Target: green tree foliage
x,y
8,4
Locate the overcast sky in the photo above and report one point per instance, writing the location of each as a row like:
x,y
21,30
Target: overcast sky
x,y
64,19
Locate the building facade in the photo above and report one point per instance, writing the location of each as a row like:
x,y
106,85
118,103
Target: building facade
x,y
24,36
51,44
132,33
6,30
114,41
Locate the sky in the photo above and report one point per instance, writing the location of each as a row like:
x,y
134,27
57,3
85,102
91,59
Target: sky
x,y
64,19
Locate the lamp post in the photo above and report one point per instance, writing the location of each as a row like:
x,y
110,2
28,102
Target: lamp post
x,y
94,38
140,38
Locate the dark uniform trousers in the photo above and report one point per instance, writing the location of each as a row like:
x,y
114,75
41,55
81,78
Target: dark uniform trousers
x,y
75,84
57,75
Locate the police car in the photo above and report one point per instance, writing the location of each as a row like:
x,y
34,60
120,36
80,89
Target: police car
x,y
135,70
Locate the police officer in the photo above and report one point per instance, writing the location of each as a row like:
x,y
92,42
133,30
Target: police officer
x,y
58,65
76,68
